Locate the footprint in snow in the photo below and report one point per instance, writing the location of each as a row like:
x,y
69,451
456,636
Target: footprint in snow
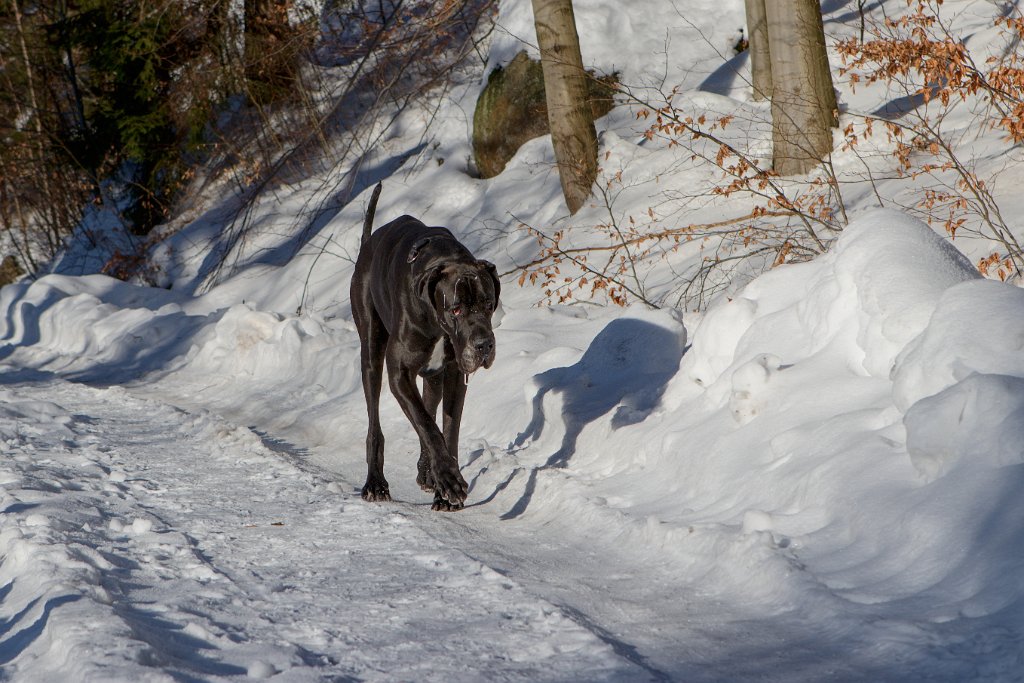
x,y
748,380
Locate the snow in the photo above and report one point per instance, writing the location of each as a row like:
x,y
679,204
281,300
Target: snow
x,y
639,45
144,543
816,478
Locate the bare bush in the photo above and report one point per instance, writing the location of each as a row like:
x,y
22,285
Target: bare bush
x,y
370,63
921,56
926,164
782,220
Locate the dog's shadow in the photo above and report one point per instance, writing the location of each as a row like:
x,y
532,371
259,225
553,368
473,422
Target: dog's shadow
x,y
626,367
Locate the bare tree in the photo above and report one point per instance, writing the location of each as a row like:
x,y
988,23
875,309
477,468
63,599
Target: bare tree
x,y
789,62
565,84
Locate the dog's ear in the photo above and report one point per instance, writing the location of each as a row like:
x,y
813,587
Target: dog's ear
x,y
427,284
415,251
493,272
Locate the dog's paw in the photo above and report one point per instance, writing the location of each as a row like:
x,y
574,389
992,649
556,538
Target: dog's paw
x,y
423,476
451,487
376,492
442,505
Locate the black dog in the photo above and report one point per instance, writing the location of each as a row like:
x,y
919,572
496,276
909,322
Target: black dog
x,y
423,304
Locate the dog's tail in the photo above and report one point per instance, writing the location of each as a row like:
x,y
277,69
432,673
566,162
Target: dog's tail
x,y
370,210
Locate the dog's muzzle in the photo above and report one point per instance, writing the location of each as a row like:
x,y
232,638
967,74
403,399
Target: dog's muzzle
x,y
478,353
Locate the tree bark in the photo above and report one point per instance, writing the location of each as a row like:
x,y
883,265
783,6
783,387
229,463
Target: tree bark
x,y
565,84
760,55
48,199
804,106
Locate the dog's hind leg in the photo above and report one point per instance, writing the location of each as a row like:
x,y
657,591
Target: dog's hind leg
x,y
373,344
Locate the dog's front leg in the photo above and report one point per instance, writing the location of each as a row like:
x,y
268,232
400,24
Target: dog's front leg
x,y
454,393
433,389
447,480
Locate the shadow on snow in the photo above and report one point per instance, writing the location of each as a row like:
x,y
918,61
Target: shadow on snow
x,y
625,369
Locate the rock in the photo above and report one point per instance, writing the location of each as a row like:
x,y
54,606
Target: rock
x,y
512,110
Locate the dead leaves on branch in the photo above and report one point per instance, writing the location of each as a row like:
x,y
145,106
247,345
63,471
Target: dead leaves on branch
x,y
921,54
917,53
784,223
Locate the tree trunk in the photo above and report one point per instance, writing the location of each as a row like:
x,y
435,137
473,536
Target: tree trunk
x,y
36,112
48,198
565,84
760,57
804,106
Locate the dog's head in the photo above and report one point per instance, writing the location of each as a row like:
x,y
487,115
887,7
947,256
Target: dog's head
x,y
464,297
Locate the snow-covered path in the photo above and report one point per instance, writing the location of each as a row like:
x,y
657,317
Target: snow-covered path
x,y
193,551
172,545
142,542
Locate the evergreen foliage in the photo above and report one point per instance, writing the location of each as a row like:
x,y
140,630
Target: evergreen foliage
x,y
130,50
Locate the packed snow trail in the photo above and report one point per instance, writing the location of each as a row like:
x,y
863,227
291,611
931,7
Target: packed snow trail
x,y
176,546
142,542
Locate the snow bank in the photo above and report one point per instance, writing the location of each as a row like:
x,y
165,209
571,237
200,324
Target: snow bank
x,y
961,390
782,460
891,300
103,328
873,292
